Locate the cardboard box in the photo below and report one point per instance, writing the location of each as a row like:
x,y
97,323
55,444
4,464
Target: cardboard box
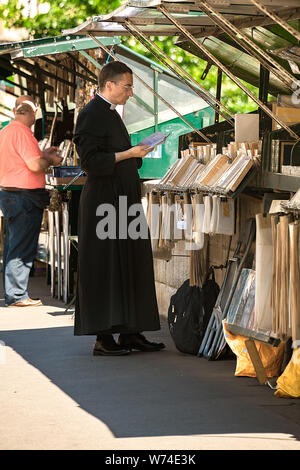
x,y
247,127
287,115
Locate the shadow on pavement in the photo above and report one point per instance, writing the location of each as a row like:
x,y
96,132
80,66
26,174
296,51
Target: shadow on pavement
x,y
154,394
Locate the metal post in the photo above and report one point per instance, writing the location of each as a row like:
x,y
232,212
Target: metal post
x,y
155,99
264,58
218,92
51,250
65,223
277,19
205,95
58,252
200,46
41,90
264,77
203,136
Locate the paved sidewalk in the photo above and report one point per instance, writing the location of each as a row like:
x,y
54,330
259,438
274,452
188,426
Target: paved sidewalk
x,y
55,395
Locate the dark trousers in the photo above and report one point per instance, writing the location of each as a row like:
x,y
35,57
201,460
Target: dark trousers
x,y
22,227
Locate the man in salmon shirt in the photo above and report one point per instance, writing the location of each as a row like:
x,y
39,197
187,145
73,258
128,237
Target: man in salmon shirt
x,y
22,199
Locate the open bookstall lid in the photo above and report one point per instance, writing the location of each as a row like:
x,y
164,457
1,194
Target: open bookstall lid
x,y
148,17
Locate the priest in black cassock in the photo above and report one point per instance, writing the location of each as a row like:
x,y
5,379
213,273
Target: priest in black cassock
x,y
115,279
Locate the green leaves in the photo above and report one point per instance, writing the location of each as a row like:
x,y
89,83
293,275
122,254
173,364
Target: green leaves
x,y
63,14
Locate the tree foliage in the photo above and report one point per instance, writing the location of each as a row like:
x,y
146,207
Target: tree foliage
x,y
67,14
63,14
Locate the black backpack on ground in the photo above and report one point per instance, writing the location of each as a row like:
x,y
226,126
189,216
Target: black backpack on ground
x,y
189,313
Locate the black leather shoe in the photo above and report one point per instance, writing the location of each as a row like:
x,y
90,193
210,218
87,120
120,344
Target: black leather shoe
x,y
102,349
139,343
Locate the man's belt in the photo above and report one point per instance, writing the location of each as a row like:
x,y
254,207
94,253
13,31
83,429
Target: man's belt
x,y
13,190
10,189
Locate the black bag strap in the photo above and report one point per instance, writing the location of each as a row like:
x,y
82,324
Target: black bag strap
x,y
210,274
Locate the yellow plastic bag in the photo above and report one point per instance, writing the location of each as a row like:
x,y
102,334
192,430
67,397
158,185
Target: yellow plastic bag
x,y
270,356
288,384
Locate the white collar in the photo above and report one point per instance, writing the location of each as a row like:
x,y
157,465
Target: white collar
x,y
112,106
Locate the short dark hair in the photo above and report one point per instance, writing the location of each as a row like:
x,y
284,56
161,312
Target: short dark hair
x,y
111,72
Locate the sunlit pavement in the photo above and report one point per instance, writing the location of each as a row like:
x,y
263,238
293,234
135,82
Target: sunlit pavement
x,y
54,394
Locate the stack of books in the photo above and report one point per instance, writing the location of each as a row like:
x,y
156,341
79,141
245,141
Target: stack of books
x,y
220,174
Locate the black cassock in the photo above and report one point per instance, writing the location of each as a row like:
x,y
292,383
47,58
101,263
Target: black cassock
x,y
115,280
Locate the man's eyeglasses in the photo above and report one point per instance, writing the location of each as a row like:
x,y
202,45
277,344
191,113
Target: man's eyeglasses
x,y
128,87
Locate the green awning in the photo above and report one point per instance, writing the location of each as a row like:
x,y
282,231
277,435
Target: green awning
x,y
53,45
142,111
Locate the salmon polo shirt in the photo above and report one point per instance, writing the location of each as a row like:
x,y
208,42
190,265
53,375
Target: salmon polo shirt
x,y
17,147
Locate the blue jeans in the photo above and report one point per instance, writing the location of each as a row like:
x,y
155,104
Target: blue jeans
x,y
22,223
